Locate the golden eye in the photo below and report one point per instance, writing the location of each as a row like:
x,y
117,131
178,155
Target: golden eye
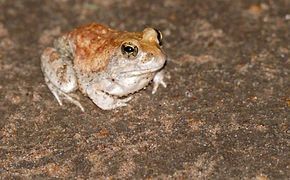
x,y
159,36
129,49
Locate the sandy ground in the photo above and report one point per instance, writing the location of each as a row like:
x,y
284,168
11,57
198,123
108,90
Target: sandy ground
x,y
224,114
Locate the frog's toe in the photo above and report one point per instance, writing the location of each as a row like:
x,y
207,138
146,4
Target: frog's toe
x,y
158,79
57,92
123,102
127,99
54,91
74,101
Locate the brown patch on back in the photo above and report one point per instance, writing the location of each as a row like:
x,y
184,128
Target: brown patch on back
x,y
95,44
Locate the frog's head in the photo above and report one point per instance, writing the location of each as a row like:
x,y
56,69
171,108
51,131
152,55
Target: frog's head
x,y
140,53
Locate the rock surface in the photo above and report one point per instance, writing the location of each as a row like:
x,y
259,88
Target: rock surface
x,y
224,114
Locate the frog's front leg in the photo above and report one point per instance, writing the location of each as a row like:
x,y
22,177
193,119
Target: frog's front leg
x,y
104,100
158,79
59,76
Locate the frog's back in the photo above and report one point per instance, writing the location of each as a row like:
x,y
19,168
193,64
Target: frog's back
x,y
93,46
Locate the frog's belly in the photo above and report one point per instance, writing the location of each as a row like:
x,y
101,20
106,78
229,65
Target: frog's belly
x,y
128,85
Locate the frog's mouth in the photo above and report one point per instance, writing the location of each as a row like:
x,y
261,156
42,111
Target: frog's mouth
x,y
141,68
139,72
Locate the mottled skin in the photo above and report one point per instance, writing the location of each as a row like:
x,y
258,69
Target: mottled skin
x,y
103,64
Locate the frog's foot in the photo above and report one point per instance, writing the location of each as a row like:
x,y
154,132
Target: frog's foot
x,y
106,101
57,92
158,79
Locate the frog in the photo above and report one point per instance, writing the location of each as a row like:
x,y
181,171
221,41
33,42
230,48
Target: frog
x,y
104,64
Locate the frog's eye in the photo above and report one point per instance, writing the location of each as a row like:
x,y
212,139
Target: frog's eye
x,y
129,49
159,37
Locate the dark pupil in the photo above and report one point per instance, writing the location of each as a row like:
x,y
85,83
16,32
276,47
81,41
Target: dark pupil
x,y
129,49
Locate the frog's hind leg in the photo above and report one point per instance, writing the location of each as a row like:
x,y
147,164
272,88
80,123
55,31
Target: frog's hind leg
x,y
59,76
57,92
54,91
